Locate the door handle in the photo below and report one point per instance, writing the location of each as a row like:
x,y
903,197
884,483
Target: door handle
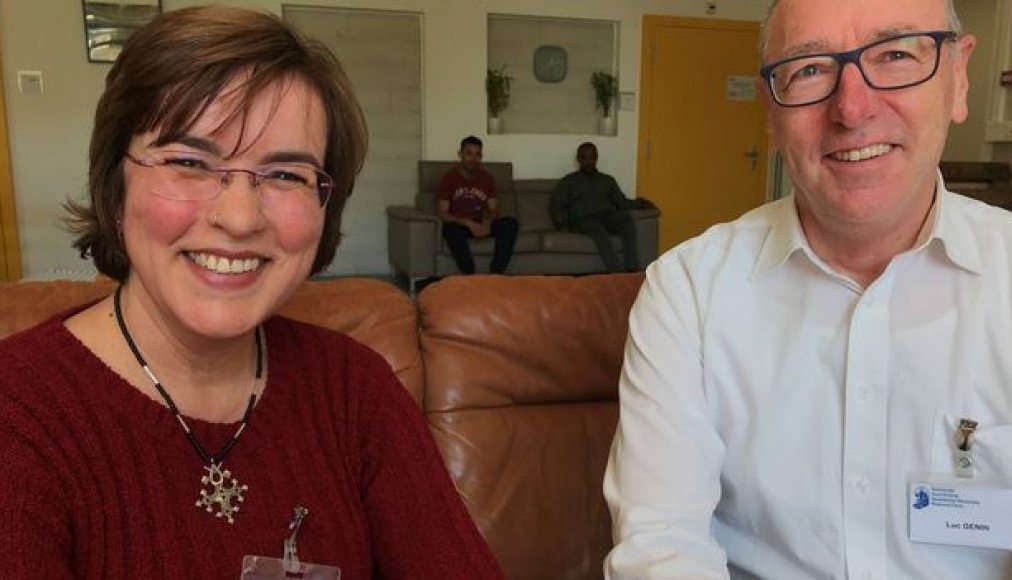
x,y
752,155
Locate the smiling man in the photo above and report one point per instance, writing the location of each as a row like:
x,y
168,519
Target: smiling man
x,y
822,387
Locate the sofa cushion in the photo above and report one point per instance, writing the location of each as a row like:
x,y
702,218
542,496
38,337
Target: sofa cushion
x,y
536,185
532,211
25,304
521,396
374,312
572,243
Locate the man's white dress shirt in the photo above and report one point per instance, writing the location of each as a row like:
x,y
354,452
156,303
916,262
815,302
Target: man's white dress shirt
x,y
773,412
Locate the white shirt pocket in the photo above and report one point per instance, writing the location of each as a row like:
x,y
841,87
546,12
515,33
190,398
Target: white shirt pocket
x,y
990,449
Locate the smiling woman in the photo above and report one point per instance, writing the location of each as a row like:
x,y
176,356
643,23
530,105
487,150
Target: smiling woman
x,y
181,407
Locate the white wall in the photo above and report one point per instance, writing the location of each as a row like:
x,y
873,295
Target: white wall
x,y
49,132
381,52
562,107
1002,100
966,141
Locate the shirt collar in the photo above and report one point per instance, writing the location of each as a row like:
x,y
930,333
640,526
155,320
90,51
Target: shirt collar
x,y
784,237
954,232
944,223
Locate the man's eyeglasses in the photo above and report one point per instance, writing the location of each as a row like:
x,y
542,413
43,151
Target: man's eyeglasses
x,y
190,176
893,63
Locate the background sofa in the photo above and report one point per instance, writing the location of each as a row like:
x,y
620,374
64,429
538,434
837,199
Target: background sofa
x,y
416,249
990,181
517,377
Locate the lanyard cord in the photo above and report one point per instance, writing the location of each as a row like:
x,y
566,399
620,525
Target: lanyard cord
x,y
201,451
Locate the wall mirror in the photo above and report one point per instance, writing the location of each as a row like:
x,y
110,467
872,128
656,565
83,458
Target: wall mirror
x,y
108,24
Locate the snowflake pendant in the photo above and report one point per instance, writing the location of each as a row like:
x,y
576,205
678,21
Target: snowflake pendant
x,y
225,489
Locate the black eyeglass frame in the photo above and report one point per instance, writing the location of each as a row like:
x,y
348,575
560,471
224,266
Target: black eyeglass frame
x,y
854,56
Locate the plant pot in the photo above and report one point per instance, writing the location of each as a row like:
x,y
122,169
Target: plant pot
x,y
606,126
494,125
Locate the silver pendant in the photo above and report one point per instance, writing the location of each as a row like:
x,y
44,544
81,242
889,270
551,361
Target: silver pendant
x,y
225,488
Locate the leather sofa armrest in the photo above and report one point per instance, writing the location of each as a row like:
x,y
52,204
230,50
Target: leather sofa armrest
x,y
413,238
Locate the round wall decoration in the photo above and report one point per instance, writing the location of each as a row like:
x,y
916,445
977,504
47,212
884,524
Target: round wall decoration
x,y
550,63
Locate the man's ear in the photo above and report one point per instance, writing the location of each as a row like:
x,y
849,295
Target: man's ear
x,y
960,83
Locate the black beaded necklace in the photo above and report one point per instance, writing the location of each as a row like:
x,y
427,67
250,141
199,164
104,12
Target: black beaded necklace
x,y
222,493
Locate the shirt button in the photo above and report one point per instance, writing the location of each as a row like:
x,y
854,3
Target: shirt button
x,y
864,392
861,484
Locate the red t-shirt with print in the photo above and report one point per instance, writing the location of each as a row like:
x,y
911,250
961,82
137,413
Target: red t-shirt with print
x,y
468,197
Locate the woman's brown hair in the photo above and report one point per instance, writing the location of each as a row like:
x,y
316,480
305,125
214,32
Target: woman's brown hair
x,y
167,75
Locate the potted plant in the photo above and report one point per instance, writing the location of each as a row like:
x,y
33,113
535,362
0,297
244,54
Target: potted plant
x,y
497,88
605,90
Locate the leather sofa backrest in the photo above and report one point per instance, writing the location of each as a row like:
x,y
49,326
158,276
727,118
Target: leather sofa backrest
x,y
374,312
25,304
521,381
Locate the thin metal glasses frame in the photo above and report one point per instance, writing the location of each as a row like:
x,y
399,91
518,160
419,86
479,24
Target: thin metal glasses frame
x,y
324,182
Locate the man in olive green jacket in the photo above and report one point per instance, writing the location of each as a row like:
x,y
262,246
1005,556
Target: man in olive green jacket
x,y
589,202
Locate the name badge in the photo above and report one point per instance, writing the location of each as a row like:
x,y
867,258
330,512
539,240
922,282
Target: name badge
x,y
289,566
958,513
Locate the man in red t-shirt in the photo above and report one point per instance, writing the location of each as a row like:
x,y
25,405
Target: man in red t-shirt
x,y
467,207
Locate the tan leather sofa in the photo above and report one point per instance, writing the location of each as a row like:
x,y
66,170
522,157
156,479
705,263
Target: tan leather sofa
x,y
516,375
416,249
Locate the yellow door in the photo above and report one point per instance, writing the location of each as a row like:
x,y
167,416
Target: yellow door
x,y
702,138
10,255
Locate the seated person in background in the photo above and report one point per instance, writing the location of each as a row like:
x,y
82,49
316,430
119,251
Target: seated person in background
x,y
171,429
802,385
589,202
466,203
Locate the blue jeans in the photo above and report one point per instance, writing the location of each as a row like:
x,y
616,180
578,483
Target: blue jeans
x,y
504,231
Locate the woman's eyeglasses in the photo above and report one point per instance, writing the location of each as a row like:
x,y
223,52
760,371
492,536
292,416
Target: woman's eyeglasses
x,y
190,176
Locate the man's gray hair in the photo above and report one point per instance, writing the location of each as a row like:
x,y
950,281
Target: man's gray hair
x,y
764,36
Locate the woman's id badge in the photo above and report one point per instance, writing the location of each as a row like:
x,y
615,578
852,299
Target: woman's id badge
x,y
289,566
264,568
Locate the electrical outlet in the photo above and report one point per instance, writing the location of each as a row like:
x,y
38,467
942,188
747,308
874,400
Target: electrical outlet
x,y
627,101
30,82
711,8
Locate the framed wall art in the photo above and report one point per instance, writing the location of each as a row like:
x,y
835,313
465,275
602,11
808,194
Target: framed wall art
x,y
108,24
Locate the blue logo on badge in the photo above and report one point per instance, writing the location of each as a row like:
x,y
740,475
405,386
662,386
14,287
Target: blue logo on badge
x,y
922,497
